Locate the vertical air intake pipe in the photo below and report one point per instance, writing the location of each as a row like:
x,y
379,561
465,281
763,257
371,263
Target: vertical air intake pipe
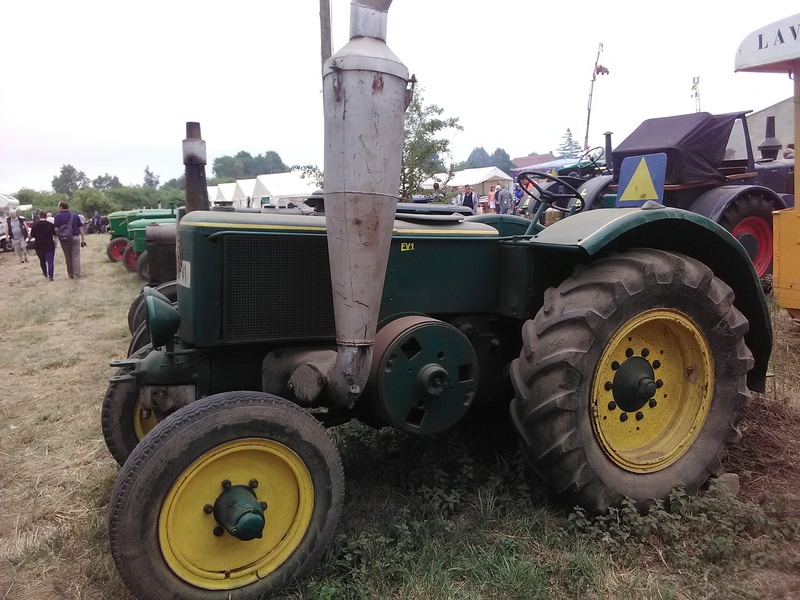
x,y
365,96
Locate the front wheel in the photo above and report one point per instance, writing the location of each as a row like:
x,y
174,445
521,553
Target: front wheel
x,y
632,379
142,266
129,257
116,248
234,496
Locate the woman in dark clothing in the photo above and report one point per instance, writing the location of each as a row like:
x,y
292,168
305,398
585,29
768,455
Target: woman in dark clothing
x,y
43,231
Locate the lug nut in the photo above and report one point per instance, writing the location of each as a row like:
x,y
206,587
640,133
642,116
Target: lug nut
x,y
639,416
263,505
652,403
226,484
218,531
208,509
253,483
623,417
612,405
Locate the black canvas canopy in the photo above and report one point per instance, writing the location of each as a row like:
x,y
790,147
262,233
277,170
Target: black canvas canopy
x,y
694,144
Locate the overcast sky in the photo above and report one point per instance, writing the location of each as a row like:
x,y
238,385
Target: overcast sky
x,y
109,86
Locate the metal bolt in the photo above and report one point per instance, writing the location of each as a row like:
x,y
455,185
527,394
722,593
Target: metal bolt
x,y
652,403
608,385
263,505
226,484
208,509
612,405
320,381
639,416
623,417
629,352
614,366
218,531
253,483
656,364
645,352
659,383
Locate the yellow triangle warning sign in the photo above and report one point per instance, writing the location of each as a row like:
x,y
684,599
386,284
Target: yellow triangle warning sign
x,y
640,186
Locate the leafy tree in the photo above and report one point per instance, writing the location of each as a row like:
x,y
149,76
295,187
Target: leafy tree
x,y
424,144
128,198
569,148
150,179
177,183
477,158
312,172
46,201
69,180
105,182
245,166
89,200
502,160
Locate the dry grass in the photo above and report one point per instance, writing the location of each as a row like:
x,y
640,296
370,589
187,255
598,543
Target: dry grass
x,y
56,474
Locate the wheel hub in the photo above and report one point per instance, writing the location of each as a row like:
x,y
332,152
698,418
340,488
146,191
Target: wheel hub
x,y
238,510
652,390
634,384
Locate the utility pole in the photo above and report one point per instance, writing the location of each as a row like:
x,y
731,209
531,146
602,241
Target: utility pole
x,y
696,93
326,45
598,70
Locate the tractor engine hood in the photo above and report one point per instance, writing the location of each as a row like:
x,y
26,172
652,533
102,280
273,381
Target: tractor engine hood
x,y
365,96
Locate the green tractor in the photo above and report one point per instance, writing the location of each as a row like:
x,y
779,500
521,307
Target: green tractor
x,y
118,228
134,257
623,342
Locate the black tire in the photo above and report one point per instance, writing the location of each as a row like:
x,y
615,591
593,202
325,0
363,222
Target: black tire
x,y
141,337
123,425
137,311
129,257
142,266
116,248
190,447
7,245
749,219
625,314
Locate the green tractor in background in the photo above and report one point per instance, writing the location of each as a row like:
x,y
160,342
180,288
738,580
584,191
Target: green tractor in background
x,y
134,257
118,228
623,342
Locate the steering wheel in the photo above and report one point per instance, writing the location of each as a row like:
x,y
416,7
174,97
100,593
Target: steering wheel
x,y
546,196
593,155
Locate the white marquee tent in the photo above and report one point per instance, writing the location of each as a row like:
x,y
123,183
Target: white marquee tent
x,y
481,179
280,188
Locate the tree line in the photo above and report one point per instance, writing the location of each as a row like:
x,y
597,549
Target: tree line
x,y
426,151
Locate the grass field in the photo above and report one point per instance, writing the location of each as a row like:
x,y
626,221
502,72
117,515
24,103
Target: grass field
x,y
451,516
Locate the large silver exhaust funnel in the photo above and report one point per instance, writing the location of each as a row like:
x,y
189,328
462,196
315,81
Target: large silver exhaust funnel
x,y
365,97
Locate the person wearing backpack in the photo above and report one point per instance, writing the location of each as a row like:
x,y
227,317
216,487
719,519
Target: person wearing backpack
x,y
71,237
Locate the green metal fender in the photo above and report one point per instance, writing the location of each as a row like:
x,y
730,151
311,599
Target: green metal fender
x,y
595,232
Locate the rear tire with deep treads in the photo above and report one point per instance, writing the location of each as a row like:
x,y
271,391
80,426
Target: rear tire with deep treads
x,y
654,318
749,219
162,541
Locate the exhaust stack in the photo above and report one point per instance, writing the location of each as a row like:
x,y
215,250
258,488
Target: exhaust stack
x,y
364,96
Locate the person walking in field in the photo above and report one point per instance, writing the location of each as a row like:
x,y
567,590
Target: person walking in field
x,y
71,236
43,231
18,234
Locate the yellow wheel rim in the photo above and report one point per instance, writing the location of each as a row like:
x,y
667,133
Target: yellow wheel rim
x,y
143,424
186,531
652,390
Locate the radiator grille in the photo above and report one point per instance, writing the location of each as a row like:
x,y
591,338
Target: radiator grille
x,y
276,287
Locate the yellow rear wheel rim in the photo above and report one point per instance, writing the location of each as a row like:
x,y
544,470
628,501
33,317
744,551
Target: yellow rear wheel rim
x,y
186,531
643,432
142,424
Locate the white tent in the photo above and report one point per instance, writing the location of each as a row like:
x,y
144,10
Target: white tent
x,y
213,192
227,192
279,188
244,192
480,179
